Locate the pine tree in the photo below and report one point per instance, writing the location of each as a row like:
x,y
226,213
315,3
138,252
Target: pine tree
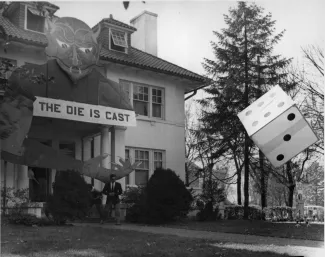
x,y
244,68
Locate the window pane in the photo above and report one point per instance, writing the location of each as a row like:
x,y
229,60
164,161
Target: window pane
x,y
154,99
119,38
35,22
127,154
159,92
141,177
156,110
146,90
146,98
154,92
140,108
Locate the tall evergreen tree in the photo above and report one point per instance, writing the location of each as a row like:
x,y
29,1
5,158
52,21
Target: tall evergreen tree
x,y
244,68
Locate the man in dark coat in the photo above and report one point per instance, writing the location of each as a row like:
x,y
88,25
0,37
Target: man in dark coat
x,y
96,199
113,190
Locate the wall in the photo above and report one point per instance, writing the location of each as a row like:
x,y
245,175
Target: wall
x,y
167,134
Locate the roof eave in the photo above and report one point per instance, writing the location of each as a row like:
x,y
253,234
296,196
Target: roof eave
x,y
151,69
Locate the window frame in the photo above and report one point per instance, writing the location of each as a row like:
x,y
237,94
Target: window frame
x,y
111,35
130,93
26,21
131,180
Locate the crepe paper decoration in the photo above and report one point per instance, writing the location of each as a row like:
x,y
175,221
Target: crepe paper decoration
x,y
37,154
16,113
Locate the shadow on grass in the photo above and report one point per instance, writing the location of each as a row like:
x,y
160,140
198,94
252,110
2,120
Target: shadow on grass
x,y
257,227
87,241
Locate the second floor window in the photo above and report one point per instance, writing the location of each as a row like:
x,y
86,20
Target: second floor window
x,y
35,21
141,100
118,41
146,100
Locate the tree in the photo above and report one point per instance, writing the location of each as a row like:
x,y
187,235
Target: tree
x,y
313,183
239,78
192,172
311,80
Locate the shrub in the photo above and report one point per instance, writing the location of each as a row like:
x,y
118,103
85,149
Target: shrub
x,y
236,212
16,199
28,220
166,197
70,198
134,198
279,213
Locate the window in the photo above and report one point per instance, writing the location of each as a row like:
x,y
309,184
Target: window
x,y
67,149
157,160
141,100
156,103
118,40
142,172
147,100
6,67
127,157
35,21
150,158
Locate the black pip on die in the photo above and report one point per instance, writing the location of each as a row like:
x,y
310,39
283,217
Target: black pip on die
x,y
277,127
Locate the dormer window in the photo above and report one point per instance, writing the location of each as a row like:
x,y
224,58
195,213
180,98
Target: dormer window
x,y
118,41
34,20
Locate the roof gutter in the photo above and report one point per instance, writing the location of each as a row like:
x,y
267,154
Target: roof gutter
x,y
195,90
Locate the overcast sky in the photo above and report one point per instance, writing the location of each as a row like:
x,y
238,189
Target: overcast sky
x,y
185,28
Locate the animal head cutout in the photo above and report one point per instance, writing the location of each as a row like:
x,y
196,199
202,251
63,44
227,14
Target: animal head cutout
x,y
74,45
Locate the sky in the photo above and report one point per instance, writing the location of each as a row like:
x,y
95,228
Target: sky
x,y
185,28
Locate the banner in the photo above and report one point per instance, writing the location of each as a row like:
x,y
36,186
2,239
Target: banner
x,y
60,109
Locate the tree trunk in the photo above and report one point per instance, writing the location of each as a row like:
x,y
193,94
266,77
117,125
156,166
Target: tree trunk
x,y
263,182
292,185
239,187
187,179
246,156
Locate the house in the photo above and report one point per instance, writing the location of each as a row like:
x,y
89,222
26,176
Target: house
x,y
153,87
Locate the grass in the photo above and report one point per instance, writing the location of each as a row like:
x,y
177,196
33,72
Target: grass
x,y
256,227
73,241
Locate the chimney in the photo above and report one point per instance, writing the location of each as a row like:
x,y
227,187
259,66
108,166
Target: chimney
x,y
145,38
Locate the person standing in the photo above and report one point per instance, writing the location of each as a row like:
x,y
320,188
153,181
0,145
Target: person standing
x,y
96,199
113,190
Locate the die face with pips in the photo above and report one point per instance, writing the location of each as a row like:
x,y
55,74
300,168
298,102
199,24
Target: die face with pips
x,y
277,127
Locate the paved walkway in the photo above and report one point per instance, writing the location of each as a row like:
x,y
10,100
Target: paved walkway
x,y
214,236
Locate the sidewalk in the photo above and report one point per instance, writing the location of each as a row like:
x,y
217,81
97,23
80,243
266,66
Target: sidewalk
x,y
214,236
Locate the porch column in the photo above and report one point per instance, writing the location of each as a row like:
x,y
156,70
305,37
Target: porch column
x,y
97,184
78,147
23,180
105,149
105,146
87,154
118,147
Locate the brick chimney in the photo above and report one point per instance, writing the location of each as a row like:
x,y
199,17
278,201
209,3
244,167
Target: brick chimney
x,y
145,38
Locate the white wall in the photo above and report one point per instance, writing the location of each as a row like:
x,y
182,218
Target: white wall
x,y
167,134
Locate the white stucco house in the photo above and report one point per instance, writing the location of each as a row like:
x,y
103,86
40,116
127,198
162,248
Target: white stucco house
x,y
155,88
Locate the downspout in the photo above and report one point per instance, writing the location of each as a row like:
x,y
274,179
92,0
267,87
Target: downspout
x,y
194,93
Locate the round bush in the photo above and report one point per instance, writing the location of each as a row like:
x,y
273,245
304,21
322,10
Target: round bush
x,y
70,198
166,197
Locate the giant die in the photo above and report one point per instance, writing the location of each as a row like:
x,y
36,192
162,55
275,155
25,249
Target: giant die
x,y
277,127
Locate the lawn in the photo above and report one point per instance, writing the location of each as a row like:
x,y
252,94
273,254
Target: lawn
x,y
256,227
74,241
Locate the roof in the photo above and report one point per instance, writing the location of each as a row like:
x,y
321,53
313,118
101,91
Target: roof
x,y
140,59
112,21
135,57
